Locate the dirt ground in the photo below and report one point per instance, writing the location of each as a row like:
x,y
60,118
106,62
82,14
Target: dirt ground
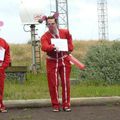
x,y
108,112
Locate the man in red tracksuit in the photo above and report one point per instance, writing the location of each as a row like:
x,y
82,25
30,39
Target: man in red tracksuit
x,y
4,63
57,63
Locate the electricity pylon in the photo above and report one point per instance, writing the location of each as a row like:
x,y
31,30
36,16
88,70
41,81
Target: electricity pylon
x,y
102,20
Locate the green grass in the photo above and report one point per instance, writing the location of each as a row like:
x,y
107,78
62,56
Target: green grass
x,y
36,87
95,91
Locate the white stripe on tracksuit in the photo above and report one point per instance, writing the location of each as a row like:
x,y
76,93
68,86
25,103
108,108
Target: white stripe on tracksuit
x,y
56,77
64,71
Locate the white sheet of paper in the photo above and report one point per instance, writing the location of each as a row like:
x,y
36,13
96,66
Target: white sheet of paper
x,y
61,44
2,53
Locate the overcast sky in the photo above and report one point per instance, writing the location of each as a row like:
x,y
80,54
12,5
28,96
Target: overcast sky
x,y
83,19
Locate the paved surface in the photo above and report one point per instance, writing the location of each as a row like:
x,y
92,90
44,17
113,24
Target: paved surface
x,y
77,113
91,108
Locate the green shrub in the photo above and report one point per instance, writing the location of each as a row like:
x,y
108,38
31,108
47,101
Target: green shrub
x,y
103,63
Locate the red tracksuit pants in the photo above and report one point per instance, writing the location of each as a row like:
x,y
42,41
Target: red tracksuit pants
x,y
56,69
2,79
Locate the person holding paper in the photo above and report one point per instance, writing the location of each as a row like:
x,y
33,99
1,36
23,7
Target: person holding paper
x,y
4,63
57,64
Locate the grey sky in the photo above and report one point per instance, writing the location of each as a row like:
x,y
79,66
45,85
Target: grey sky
x,y
82,20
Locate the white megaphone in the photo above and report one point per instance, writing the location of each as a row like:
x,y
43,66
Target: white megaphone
x,y
30,12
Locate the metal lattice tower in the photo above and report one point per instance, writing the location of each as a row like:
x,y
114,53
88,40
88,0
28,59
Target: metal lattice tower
x,y
62,9
102,20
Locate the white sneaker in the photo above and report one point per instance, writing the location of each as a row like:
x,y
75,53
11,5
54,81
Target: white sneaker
x,y
66,109
3,110
56,110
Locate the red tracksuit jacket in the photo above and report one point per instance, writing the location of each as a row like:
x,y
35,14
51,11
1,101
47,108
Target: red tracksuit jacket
x,y
59,66
6,61
48,47
3,65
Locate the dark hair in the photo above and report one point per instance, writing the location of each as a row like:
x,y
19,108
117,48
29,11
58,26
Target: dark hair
x,y
51,17
45,18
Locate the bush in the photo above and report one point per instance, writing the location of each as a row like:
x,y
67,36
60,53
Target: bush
x,y
103,63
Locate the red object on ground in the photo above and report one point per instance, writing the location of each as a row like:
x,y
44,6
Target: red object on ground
x,y
76,62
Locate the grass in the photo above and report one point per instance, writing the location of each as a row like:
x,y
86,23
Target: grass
x,y
35,87
21,54
95,91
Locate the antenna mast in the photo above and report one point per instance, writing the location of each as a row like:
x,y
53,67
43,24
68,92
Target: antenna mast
x,y
102,20
62,9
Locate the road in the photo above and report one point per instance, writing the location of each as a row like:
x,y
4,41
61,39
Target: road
x,y
102,112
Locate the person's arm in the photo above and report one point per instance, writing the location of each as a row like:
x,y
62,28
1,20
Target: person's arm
x,y
45,45
70,43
